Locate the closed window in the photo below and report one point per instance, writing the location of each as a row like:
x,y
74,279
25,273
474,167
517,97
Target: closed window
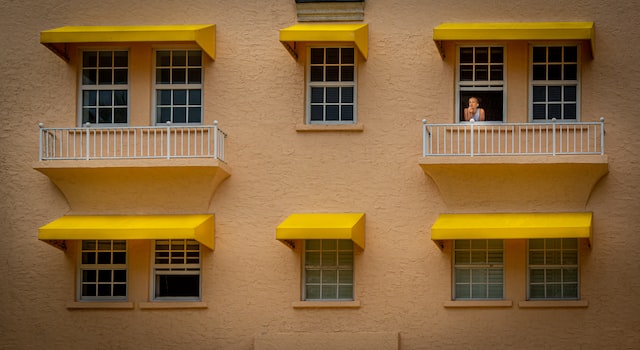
x,y
478,269
555,83
553,269
104,85
103,270
178,86
481,74
328,269
176,270
331,88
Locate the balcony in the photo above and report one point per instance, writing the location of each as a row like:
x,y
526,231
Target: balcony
x,y
141,170
514,166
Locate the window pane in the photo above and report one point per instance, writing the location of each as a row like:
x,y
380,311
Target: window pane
x,y
555,54
195,58
312,244
312,259
163,76
105,77
163,58
496,73
195,115
479,291
347,95
345,276
346,113
104,98
195,75
571,54
329,291
482,72
333,73
312,276
329,259
345,292
497,55
88,115
317,73
466,55
466,73
177,286
179,58
120,59
482,54
317,56
555,72
89,59
317,113
347,55
332,113
570,94
180,97
347,73
463,291
312,292
89,76
317,95
333,56
555,111
105,59
179,75
539,112
88,257
163,97
539,72
333,95
570,71
120,76
89,98
555,93
179,115
163,115
89,276
330,276
570,111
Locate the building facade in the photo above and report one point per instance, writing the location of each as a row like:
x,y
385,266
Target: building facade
x,y
312,174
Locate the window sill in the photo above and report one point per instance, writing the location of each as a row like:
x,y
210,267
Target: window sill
x,y
477,303
325,304
75,305
159,305
553,303
329,127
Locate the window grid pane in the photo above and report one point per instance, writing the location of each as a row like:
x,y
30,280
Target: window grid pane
x,y
478,269
328,270
332,84
555,82
553,269
104,83
176,266
103,270
481,74
178,97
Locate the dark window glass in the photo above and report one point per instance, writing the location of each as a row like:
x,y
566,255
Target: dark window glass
x,y
179,115
497,55
332,113
347,73
555,54
570,72
570,93
317,113
333,73
482,54
317,56
178,75
539,94
177,286
555,72
571,54
539,72
348,56
347,95
317,95
555,93
163,58
333,94
89,59
333,56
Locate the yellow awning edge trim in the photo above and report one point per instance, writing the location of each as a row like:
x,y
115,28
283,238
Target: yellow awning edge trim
x,y
545,31
123,227
58,39
358,34
512,226
322,226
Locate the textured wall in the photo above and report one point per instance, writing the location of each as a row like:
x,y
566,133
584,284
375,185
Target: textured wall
x,y
256,90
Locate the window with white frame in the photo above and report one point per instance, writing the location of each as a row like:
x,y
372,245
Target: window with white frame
x,y
331,87
176,270
555,83
103,270
481,74
104,85
553,269
328,270
178,86
478,269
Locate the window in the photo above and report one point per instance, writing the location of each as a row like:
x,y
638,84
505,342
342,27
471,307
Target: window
x,y
105,87
103,270
554,83
553,269
331,91
328,269
481,75
176,270
178,86
478,269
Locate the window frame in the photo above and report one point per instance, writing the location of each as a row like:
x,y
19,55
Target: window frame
x,y
183,269
309,85
487,265
304,283
81,267
173,87
106,87
562,83
560,266
476,85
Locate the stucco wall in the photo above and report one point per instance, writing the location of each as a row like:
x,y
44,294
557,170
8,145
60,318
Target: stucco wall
x,y
256,91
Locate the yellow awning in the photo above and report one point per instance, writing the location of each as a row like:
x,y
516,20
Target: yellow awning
x,y
569,31
322,226
512,226
204,35
198,227
352,33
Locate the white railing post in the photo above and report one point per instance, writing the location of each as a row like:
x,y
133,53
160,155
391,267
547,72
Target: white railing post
x,y
41,138
553,136
602,135
215,139
168,139
425,145
87,125
472,136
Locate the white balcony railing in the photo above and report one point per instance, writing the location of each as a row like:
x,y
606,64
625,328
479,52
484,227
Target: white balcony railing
x,y
165,141
492,139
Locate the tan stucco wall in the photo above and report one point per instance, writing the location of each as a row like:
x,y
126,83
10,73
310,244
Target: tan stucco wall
x,y
256,91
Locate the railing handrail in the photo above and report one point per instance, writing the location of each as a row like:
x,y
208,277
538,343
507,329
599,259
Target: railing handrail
x,y
124,142
537,138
